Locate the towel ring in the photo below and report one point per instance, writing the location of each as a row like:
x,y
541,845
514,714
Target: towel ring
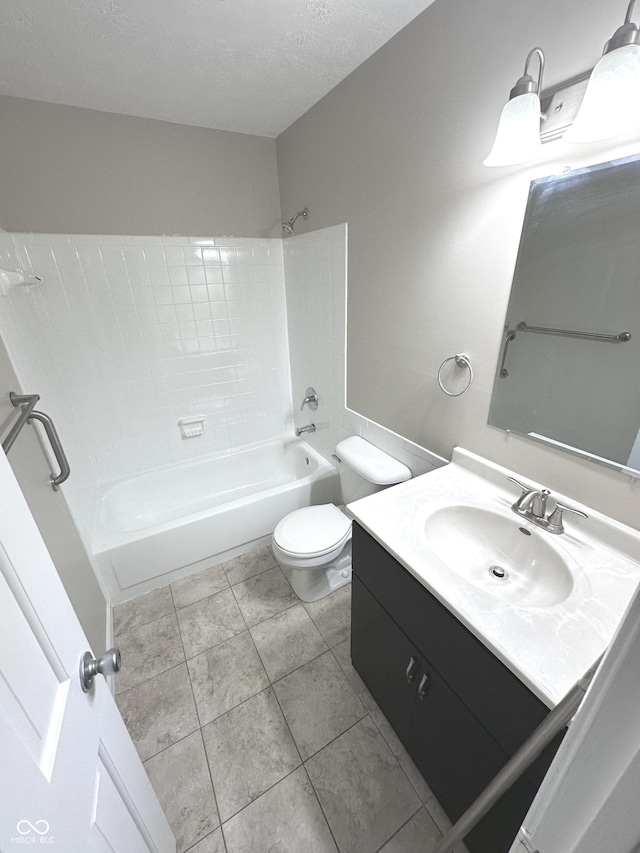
x,y
461,360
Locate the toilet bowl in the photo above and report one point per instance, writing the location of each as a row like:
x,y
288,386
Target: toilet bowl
x,y
314,543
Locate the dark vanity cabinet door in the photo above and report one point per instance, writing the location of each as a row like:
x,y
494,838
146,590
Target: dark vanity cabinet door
x,y
458,710
451,749
458,759
387,661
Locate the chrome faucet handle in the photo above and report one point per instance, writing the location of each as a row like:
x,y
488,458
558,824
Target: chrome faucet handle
x,y
555,522
311,399
521,485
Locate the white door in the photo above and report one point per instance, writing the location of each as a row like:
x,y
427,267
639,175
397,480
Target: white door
x,y
70,776
588,801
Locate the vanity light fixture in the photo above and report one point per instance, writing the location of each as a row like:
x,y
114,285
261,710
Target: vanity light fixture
x,y
518,135
611,104
596,105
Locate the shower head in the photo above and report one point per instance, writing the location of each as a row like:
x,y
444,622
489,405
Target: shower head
x,y
287,227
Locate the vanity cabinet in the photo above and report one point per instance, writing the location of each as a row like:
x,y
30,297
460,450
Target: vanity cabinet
x,y
457,709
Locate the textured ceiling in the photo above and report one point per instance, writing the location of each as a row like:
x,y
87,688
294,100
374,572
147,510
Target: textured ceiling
x,y
252,66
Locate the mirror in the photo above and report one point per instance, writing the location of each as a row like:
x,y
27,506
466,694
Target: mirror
x,y
568,371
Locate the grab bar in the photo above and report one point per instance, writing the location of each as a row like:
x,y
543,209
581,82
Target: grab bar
x,y
28,413
58,452
620,338
510,336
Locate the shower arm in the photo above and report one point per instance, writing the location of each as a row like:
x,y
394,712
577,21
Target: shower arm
x,y
288,226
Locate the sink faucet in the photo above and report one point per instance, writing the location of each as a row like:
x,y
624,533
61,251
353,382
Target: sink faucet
x,y
532,505
531,501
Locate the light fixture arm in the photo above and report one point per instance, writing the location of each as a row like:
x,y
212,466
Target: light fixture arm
x,y
526,83
628,33
608,106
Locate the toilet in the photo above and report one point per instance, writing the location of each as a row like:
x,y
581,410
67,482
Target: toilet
x,y
314,543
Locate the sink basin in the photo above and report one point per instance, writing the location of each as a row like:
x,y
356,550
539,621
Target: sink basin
x,y
504,557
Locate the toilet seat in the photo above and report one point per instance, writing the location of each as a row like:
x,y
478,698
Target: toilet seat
x,y
312,531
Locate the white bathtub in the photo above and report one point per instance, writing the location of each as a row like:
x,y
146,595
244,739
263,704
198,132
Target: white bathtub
x,y
152,525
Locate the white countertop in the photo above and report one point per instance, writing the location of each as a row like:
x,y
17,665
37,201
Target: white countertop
x,y
547,648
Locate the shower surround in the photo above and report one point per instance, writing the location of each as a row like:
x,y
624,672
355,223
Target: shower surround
x,y
127,335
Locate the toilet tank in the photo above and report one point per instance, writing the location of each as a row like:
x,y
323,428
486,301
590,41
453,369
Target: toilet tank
x,y
366,469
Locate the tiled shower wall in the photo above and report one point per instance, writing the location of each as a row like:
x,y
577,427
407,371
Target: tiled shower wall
x,y
126,335
315,265
316,275
25,327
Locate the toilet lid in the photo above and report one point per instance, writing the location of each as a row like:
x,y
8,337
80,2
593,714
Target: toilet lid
x,y
312,530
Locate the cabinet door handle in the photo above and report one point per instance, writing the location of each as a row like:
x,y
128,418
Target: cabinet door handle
x,y
424,684
411,669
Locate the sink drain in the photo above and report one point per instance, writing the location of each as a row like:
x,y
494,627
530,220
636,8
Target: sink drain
x,y
499,573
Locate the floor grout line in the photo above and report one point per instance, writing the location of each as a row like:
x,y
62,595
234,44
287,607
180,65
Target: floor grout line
x,y
324,815
329,647
399,830
337,737
147,680
238,704
213,787
382,735
204,598
295,669
120,632
208,835
262,793
142,625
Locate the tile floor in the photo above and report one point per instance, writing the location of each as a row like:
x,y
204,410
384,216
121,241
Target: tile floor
x,y
256,732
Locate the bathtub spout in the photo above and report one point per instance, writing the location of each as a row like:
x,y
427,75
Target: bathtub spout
x,y
307,428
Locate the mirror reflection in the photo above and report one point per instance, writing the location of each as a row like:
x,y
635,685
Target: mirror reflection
x,y
569,363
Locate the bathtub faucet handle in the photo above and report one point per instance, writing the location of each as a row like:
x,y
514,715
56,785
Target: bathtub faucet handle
x,y
311,399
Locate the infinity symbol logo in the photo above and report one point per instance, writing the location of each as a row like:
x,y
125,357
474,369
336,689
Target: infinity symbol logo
x,y
41,827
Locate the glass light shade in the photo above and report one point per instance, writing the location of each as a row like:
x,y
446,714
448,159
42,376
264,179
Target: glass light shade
x,y
518,135
611,103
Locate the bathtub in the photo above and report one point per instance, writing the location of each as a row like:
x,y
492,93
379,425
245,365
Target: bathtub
x,y
155,524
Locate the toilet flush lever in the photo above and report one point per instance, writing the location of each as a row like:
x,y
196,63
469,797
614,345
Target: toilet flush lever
x,y
108,664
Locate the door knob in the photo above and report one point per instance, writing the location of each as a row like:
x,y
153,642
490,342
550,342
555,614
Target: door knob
x,y
108,664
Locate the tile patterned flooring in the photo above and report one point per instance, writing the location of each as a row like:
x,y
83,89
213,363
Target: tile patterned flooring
x,y
256,732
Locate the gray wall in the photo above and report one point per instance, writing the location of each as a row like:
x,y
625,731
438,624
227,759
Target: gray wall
x,y
396,151
31,467
71,170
